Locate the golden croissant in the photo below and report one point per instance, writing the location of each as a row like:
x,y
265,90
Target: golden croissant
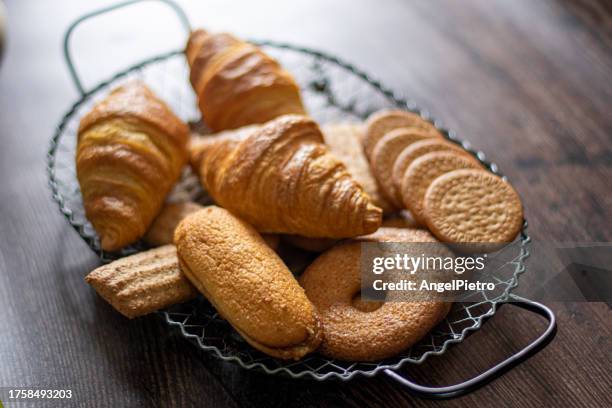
x,y
236,83
281,178
130,151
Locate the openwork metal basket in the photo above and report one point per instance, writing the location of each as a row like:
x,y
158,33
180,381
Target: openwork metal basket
x,y
333,91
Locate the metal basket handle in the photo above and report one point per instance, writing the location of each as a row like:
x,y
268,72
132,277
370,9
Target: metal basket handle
x,y
67,55
495,371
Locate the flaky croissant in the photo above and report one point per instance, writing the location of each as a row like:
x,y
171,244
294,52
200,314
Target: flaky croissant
x,y
131,149
236,83
281,178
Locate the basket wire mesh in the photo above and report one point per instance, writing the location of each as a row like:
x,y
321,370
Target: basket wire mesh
x,y
333,91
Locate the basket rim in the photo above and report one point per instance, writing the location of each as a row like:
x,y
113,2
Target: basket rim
x,y
399,102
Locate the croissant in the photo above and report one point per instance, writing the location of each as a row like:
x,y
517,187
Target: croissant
x,y
281,178
130,151
236,83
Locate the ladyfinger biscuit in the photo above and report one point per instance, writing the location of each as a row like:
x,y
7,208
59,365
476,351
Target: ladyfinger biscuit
x,y
249,285
382,122
385,153
423,171
415,150
142,283
344,141
473,206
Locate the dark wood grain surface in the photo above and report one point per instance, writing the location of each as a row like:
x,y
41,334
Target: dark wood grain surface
x,y
528,82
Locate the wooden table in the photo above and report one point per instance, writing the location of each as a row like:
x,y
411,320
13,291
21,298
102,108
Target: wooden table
x,y
528,82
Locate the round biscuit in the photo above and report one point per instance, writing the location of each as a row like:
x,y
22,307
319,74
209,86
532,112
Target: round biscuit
x,y
414,151
473,206
384,154
423,171
382,122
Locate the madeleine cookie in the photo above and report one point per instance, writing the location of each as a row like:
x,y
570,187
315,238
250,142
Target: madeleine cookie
x,y
161,231
384,154
423,171
249,285
414,151
344,141
382,122
356,330
473,206
142,283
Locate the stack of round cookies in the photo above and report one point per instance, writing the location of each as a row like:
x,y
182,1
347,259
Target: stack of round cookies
x,y
443,186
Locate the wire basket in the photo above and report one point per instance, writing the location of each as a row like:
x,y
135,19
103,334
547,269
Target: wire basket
x,y
333,91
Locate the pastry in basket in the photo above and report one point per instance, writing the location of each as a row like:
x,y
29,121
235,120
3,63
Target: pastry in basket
x,y
249,285
281,178
400,219
130,152
236,83
344,141
162,229
358,330
143,283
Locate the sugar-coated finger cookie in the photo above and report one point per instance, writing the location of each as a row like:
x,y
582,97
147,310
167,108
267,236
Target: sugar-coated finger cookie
x,y
473,206
382,122
248,284
423,171
355,330
344,141
414,151
384,154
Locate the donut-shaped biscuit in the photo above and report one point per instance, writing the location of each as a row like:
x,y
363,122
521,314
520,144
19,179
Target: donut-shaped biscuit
x,y
360,331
